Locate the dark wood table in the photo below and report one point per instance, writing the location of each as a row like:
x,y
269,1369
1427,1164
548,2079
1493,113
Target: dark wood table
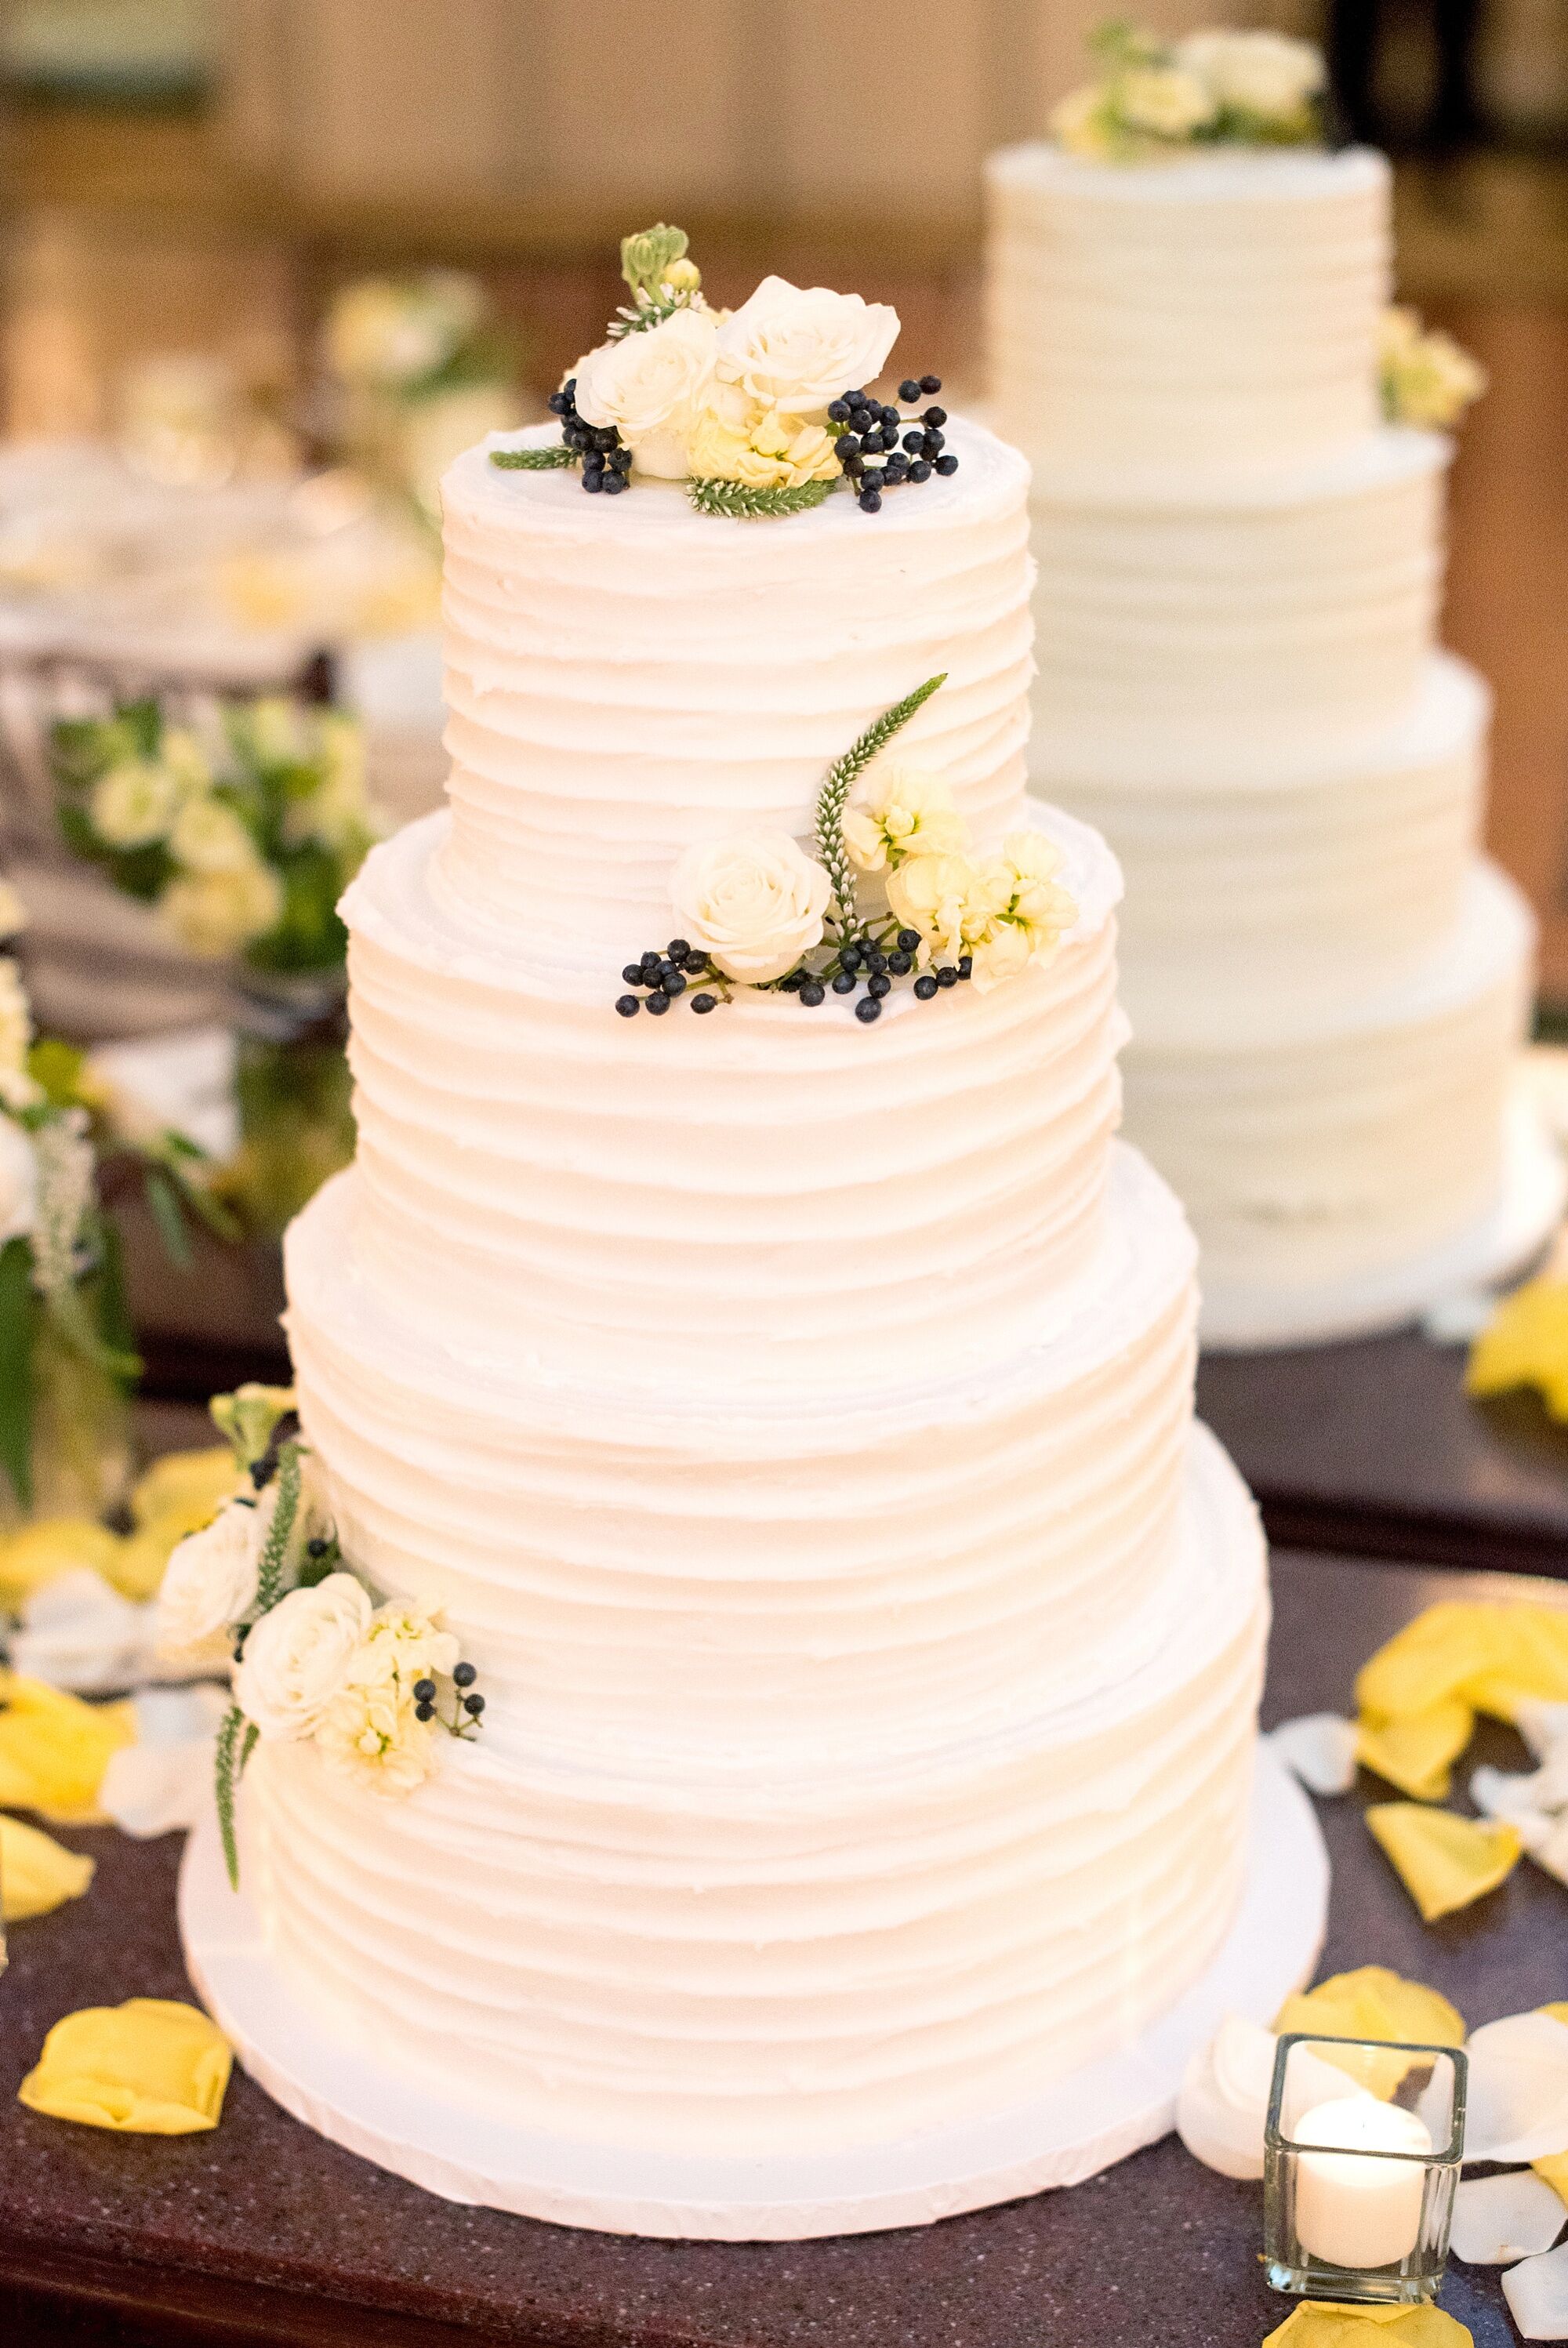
x,y
262,2233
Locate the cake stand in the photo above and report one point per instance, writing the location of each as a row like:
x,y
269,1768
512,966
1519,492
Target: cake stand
x,y
1082,2123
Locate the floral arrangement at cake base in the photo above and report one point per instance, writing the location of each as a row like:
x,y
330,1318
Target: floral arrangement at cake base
x,y
1154,98
265,1593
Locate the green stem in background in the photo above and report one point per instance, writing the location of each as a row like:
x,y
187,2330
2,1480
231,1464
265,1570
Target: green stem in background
x,y
834,796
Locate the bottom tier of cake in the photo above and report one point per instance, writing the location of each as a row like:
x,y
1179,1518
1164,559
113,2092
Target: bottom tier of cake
x,y
850,1955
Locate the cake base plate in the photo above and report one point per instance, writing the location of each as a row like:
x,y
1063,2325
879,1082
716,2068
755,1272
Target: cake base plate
x,y
1255,1318
1078,2127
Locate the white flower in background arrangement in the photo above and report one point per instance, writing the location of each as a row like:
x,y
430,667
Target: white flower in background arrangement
x,y
18,1182
1426,377
209,837
795,348
182,757
387,333
1080,123
754,903
16,1018
652,388
215,913
297,1657
337,812
902,811
1166,101
269,732
63,1154
13,912
209,1581
134,803
1268,75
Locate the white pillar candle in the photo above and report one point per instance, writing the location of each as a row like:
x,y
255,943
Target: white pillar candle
x,y
1351,2210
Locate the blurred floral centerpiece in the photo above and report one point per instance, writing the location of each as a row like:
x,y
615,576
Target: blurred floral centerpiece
x,y
422,371
1154,98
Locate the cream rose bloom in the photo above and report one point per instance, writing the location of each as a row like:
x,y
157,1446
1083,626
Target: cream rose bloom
x,y
796,348
754,901
209,837
1266,74
652,386
134,804
1167,101
18,1182
298,1656
209,1581
766,450
216,913
902,811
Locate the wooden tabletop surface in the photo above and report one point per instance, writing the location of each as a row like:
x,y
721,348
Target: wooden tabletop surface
x,y
261,2233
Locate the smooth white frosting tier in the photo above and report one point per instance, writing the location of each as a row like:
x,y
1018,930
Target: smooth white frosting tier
x,y
1339,1132
1339,872
753,1576
795,1960
626,676
1215,625
753,1197
1216,314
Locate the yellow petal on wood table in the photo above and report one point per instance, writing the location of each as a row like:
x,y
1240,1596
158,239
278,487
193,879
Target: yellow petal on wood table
x,y
150,2067
1559,2012
1444,1861
53,1749
1525,1344
1492,1656
1324,2323
36,1873
190,1485
1417,1753
38,1552
1373,2002
1554,2168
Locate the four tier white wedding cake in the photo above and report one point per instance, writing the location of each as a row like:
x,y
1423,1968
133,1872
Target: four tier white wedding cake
x,y
1240,572
788,1408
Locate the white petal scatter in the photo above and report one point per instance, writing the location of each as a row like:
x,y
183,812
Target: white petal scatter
x,y
160,1784
1320,1747
1541,1725
1537,2295
1499,2218
1517,2099
1224,2097
79,1633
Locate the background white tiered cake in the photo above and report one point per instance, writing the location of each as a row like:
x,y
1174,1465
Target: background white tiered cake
x,y
1239,574
793,1418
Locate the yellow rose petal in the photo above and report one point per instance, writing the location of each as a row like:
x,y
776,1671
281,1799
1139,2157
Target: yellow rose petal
x,y
1559,2013
150,2067
1416,1752
1429,1662
1530,1658
188,1487
1374,2003
36,1873
1326,2323
41,1552
1443,1861
137,1568
1525,1344
53,1749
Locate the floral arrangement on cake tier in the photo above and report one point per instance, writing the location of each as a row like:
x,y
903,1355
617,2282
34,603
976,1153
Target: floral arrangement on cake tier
x,y
757,914
67,1355
760,411
265,1589
1425,377
1153,97
241,844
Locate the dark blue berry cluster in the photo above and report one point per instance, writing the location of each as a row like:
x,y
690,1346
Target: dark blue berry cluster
x,y
880,449
870,960
606,462
468,1709
665,977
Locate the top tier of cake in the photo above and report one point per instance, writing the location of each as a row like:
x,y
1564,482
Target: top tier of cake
x,y
627,676
1219,313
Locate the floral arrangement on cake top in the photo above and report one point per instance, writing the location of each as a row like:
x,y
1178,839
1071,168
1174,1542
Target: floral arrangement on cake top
x,y
1425,376
760,411
892,895
243,845
265,1589
1152,97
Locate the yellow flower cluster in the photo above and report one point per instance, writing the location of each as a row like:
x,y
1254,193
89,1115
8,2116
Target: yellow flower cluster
x,y
1426,377
743,440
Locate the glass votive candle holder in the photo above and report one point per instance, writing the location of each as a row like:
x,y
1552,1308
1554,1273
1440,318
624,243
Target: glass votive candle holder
x,y
1362,2148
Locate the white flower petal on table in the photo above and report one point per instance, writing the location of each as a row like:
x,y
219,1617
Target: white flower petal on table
x,y
1224,2095
1497,1795
1320,1747
165,1717
1537,2295
77,1633
158,1789
1541,1725
1499,2219
1518,2097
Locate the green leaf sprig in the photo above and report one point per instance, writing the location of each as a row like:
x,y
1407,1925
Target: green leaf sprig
x,y
834,798
739,501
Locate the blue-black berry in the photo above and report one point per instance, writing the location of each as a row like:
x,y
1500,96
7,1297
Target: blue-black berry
x,y
674,983
704,1002
613,484
935,416
424,1712
908,939
868,1009
591,481
921,470
900,965
908,391
946,465
855,399
930,382
878,986
870,501
658,1002
464,1675
838,411
812,993
473,1706
851,957
628,1006
965,965
845,983
846,445
947,975
424,1691
911,440
678,949
925,986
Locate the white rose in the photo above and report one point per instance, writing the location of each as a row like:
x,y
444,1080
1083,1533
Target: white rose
x,y
652,386
134,804
1265,73
904,810
16,1018
297,1657
798,348
387,334
1079,123
754,903
371,1733
18,1182
218,913
208,836
209,1581
1165,100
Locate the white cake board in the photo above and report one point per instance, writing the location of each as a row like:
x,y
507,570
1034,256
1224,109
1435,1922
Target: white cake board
x,y
1088,2120
1257,1318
